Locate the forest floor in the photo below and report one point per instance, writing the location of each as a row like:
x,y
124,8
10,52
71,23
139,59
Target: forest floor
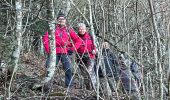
x,y
29,75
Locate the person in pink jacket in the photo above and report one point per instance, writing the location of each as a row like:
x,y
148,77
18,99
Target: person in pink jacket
x,y
86,57
67,41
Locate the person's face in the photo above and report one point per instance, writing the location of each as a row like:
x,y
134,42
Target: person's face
x,y
61,21
106,45
82,30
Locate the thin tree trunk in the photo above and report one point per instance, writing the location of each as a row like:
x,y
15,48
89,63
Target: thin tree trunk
x,y
17,46
168,73
158,50
151,86
107,89
51,32
147,86
80,12
68,7
91,22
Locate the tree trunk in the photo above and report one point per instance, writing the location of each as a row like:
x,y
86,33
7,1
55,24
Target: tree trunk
x,y
51,32
168,73
107,87
68,7
155,22
91,22
17,46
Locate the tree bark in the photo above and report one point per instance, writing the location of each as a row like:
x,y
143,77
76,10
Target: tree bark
x,y
168,73
158,51
17,46
91,22
51,32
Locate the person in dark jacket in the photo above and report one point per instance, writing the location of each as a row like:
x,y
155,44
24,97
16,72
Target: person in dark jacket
x,y
110,61
110,66
127,71
67,41
86,57
120,68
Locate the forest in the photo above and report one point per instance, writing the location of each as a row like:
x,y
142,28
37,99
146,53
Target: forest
x,y
137,32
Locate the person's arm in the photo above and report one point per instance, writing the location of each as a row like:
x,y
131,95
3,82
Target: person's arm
x,y
75,39
94,50
45,40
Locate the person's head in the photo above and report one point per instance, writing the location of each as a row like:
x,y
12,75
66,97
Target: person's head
x,y
81,28
106,45
61,19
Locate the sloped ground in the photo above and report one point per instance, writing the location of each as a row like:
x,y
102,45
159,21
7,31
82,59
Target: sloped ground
x,y
30,72
26,83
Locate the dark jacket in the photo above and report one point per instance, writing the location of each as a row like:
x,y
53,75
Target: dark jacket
x,y
129,75
110,63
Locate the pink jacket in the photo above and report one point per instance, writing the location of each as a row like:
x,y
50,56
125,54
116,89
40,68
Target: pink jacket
x,y
63,37
87,45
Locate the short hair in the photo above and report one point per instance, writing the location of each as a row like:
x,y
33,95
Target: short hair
x,y
106,45
60,14
81,25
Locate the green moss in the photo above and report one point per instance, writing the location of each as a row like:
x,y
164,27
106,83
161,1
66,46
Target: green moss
x,y
57,94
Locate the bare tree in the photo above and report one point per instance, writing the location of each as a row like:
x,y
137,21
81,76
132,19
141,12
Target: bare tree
x,y
17,46
51,32
158,50
138,28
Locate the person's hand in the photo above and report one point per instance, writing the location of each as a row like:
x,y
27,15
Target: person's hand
x,y
94,52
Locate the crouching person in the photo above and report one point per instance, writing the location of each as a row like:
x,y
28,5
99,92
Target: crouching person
x,y
86,57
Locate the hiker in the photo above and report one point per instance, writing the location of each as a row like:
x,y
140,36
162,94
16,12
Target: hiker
x,y
129,81
67,41
110,61
86,57
119,68
109,67
136,73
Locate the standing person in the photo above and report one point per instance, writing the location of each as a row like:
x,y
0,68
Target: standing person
x,y
110,62
110,66
129,81
86,56
67,42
